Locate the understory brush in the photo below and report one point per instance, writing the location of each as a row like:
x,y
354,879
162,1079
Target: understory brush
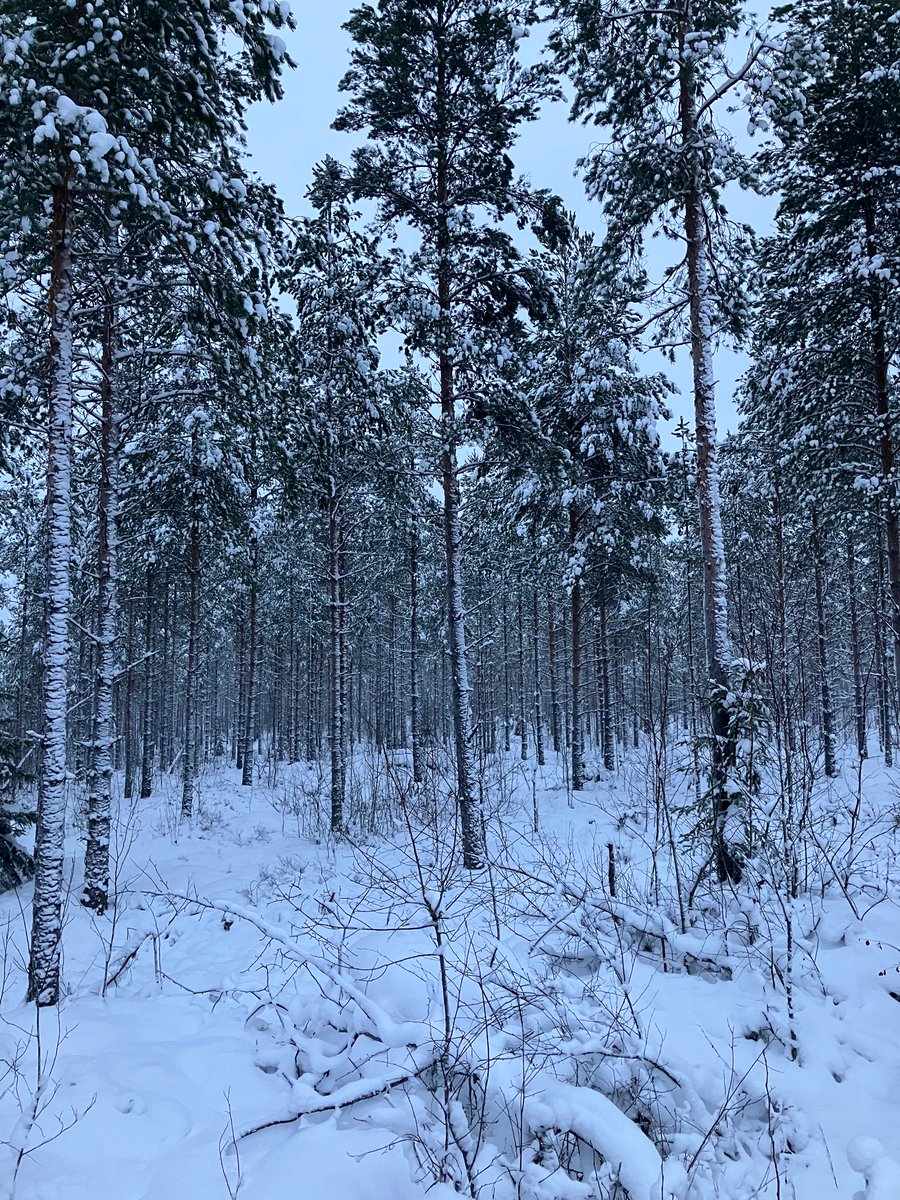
x,y
592,1016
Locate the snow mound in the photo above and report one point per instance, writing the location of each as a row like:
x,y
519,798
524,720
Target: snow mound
x,y
596,1120
881,1172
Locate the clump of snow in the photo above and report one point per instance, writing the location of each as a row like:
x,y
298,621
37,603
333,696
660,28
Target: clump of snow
x,y
881,1172
592,1117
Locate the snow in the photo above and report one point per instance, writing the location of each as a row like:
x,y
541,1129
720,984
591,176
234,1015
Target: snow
x,y
258,978
882,1173
587,1113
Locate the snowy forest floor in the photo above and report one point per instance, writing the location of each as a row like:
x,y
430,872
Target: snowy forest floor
x,y
542,1030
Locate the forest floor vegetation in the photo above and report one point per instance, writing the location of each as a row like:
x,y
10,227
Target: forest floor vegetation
x,y
267,1013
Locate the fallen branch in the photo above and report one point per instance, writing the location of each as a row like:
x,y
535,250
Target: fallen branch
x,y
352,1093
381,1020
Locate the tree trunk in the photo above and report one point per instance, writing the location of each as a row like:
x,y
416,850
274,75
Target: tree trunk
x,y
507,691
23,672
576,743
310,688
146,710
128,733
538,699
164,706
249,730
784,709
859,698
336,712
395,735
46,932
827,711
554,678
414,718
96,858
608,732
636,705
881,654
378,697
472,833
240,711
523,710
343,647
470,822
188,776
715,593
296,662
882,388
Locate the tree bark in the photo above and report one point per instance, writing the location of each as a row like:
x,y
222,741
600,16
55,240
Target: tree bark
x,y
881,384
96,859
507,691
147,747
249,714
882,655
539,750
337,710
608,730
295,677
470,822
23,672
472,835
554,678
128,739
311,706
859,698
46,930
523,709
576,736
715,594
414,701
827,710
164,713
188,776
240,710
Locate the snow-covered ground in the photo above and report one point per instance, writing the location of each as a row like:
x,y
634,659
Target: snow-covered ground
x,y
266,1014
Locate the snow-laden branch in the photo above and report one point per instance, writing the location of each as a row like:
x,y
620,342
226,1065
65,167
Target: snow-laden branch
x,y
737,76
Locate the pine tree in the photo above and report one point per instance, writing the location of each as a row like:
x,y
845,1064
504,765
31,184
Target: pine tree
x,y
334,274
838,171
438,87
656,79
83,121
807,406
587,453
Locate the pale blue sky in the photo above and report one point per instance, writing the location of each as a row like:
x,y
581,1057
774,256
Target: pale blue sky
x,y
287,139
